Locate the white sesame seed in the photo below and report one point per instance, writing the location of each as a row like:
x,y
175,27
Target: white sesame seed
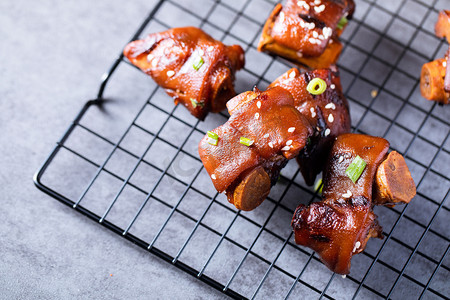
x,y
320,8
288,143
281,17
299,54
210,48
270,145
257,116
321,37
201,52
330,106
444,63
311,25
316,2
341,158
348,194
327,131
258,104
304,4
327,32
357,245
266,135
170,73
155,62
332,86
374,93
344,276
313,113
292,74
213,176
291,129
315,34
330,118
149,57
285,148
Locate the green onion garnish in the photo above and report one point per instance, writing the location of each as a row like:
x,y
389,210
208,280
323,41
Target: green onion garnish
x,y
213,135
356,168
245,141
196,103
212,141
316,86
318,186
198,62
342,23
213,138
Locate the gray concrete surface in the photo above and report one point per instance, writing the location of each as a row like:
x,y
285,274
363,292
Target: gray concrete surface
x,y
52,55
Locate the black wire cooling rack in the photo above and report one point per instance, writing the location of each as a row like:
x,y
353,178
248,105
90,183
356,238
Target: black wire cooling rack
x,y
129,161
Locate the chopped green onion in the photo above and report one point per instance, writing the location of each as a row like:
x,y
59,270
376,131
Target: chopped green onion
x,y
245,141
318,186
212,141
342,23
196,103
316,86
198,62
356,168
213,135
213,138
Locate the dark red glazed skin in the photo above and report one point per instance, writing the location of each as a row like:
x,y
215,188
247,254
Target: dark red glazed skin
x,y
169,56
317,109
267,118
341,224
305,32
293,27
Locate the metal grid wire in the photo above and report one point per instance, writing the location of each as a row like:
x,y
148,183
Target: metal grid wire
x,y
129,161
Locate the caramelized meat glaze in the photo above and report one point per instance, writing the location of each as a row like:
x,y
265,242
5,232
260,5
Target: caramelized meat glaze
x,y
277,132
306,32
340,225
328,114
194,69
435,75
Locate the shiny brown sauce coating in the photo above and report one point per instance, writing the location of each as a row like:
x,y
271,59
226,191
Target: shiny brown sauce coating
x,y
278,132
304,30
341,224
194,69
328,114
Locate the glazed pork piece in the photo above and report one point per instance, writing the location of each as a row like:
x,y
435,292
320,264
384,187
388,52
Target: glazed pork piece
x,y
193,68
306,32
442,27
327,112
244,156
340,225
435,75
434,82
